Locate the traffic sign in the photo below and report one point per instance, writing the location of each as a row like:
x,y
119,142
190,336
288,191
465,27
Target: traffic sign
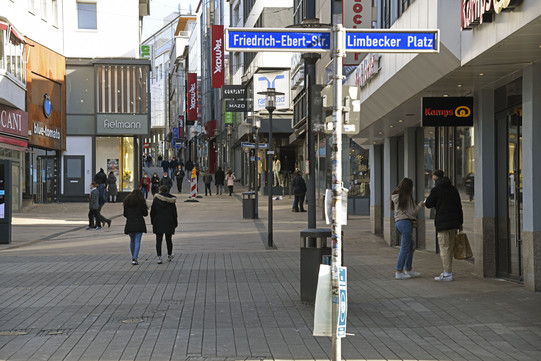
x,y
392,41
269,39
252,145
342,302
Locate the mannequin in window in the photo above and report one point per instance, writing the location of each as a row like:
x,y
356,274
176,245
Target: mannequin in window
x,y
276,167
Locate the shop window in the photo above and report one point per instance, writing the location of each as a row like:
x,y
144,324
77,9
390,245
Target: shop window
x,y
360,173
87,15
117,155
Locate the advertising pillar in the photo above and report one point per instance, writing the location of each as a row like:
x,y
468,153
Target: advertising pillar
x,y
5,201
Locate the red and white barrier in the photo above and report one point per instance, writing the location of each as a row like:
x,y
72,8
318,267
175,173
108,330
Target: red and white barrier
x,y
193,193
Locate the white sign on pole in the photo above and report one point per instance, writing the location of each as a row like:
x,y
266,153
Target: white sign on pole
x,y
342,302
278,80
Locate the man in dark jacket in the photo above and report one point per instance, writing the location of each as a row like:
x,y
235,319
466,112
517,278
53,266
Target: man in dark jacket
x,y
164,219
299,190
445,199
100,177
166,181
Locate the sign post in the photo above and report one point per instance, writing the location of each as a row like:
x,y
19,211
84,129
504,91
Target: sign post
x,y
339,41
5,201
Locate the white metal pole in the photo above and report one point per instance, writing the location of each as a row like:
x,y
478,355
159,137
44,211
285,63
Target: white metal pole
x,y
338,53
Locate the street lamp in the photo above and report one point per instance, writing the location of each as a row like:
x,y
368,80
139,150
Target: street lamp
x,y
270,105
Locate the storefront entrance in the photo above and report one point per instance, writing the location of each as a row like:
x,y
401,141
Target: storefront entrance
x,y
74,184
510,200
46,178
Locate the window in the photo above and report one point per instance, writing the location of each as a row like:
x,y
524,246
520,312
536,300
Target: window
x,y
12,52
43,4
32,6
87,15
122,89
161,73
55,13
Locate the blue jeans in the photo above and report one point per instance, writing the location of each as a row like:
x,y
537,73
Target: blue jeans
x,y
404,228
144,189
135,244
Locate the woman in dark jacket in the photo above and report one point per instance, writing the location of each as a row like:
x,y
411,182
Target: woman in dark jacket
x,y
164,219
135,209
154,183
112,189
299,190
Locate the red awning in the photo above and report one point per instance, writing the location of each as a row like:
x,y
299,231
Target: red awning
x,y
16,37
3,25
13,143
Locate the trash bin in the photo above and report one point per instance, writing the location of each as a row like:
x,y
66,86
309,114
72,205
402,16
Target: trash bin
x,y
313,248
248,205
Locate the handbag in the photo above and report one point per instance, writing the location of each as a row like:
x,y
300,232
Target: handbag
x,y
462,249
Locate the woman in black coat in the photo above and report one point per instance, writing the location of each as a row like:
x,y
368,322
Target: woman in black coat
x,y
154,183
135,209
164,219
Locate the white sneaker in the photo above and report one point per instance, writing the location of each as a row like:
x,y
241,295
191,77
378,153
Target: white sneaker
x,y
444,277
170,257
401,276
412,273
160,260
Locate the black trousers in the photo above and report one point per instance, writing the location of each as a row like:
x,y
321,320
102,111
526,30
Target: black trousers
x,y
168,242
179,184
207,187
299,202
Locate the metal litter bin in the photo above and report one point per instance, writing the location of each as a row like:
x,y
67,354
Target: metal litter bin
x,y
313,248
248,205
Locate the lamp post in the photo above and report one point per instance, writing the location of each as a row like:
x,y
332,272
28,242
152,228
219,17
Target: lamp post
x,y
270,105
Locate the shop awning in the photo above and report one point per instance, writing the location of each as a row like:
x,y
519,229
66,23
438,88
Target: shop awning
x,y
13,143
4,26
14,35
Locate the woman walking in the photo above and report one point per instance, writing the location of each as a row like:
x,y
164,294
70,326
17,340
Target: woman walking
x,y
219,178
230,179
154,183
112,189
164,219
135,209
405,214
145,185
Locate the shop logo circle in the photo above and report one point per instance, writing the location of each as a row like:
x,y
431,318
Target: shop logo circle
x,y
462,112
47,106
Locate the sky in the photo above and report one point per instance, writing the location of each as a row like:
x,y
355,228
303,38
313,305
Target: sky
x,y
159,9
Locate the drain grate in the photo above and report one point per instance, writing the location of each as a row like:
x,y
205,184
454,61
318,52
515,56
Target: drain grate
x,y
55,332
133,320
13,333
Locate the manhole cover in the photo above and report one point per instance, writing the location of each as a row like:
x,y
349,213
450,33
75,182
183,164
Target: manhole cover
x,y
132,320
13,333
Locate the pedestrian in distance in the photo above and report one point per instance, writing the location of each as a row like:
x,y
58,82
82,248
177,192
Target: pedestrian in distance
x,y
469,185
207,179
189,166
405,215
179,176
299,190
219,178
444,197
154,183
173,164
112,189
102,191
166,181
165,166
164,219
93,208
145,185
230,179
135,211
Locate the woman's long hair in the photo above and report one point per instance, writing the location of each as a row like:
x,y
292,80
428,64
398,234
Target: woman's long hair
x,y
135,198
405,194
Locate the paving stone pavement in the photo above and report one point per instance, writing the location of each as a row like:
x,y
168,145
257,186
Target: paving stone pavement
x,y
71,294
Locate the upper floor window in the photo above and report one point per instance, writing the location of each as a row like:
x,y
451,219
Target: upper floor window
x,y
122,89
43,4
55,13
87,15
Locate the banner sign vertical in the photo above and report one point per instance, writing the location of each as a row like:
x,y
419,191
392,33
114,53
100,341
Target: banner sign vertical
x,y
356,14
217,45
228,117
192,97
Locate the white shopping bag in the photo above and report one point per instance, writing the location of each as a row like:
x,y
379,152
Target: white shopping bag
x,y
323,306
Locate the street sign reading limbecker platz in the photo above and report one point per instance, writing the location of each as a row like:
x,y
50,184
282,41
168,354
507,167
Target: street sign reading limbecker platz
x,y
389,41
266,39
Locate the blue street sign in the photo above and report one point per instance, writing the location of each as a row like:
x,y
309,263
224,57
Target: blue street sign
x,y
342,302
252,145
389,41
266,39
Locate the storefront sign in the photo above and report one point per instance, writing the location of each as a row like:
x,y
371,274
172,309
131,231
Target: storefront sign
x,y
122,124
356,14
448,112
233,92
276,80
367,69
43,130
13,121
475,12
145,51
192,97
217,44
236,106
228,118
